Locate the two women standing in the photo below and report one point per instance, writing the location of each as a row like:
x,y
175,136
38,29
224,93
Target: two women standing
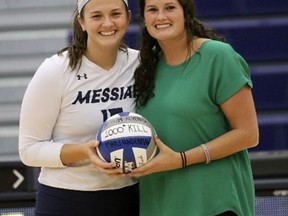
x,y
191,85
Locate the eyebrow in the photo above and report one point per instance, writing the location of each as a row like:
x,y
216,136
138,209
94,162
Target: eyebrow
x,y
166,4
116,9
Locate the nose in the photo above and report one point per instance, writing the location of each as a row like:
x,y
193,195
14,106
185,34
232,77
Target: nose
x,y
161,15
107,22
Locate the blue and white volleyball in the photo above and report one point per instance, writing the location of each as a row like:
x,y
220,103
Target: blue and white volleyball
x,y
126,138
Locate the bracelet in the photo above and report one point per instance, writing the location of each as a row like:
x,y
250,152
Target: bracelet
x,y
206,152
184,159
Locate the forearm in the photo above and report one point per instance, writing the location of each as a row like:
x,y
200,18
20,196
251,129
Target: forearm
x,y
230,143
73,153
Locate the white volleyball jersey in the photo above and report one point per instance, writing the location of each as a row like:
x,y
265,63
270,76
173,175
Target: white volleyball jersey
x,y
61,106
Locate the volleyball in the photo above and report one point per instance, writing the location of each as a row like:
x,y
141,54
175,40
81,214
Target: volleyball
x,y
127,139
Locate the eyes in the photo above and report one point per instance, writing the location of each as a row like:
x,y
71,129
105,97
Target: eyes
x,y
99,16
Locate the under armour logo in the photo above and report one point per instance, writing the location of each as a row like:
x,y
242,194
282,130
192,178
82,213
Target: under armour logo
x,y
83,76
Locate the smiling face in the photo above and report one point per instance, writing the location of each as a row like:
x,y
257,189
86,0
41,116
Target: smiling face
x,y
105,22
164,20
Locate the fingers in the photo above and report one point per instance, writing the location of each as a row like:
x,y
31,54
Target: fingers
x,y
99,164
147,168
138,172
110,168
105,167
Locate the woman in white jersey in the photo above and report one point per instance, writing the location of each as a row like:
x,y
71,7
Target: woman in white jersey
x,y
69,97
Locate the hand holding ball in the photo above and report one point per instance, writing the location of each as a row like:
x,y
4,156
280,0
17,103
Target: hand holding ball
x,y
128,139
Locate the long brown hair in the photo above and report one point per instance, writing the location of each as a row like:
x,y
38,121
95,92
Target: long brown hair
x,y
145,73
79,41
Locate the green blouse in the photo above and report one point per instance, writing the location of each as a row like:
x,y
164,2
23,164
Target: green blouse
x,y
186,113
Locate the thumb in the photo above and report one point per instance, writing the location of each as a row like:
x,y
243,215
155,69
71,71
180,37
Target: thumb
x,y
93,143
161,146
158,142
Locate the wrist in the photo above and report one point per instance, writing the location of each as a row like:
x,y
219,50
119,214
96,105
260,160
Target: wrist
x,y
206,153
183,159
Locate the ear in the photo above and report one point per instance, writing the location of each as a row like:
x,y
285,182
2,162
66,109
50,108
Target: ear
x,y
81,22
129,16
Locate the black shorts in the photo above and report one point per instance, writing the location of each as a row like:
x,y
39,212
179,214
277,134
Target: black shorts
x,y
54,201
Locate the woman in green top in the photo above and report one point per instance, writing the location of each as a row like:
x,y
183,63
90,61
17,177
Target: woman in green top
x,y
196,91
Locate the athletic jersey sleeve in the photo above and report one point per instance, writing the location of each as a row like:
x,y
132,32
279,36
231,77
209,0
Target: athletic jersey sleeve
x,y
40,108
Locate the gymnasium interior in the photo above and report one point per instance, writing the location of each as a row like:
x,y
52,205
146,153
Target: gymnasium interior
x,y
32,30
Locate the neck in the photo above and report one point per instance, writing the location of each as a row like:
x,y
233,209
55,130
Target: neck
x,y
175,53
103,58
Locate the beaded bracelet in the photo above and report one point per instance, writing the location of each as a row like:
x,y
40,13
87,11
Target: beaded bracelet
x,y
184,159
206,152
